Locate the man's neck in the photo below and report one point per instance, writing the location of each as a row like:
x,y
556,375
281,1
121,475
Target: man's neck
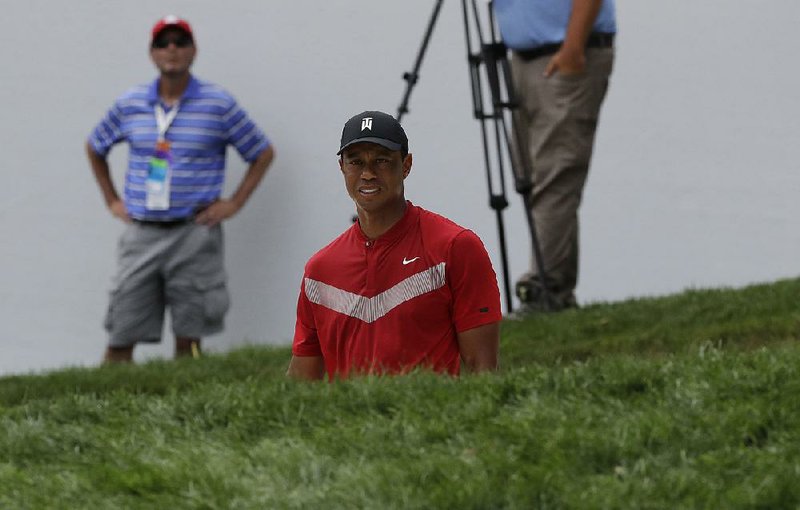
x,y
171,88
375,224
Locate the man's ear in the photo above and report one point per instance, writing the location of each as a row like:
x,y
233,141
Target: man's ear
x,y
341,164
407,165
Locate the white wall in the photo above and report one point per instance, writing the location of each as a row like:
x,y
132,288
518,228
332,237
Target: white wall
x,y
694,181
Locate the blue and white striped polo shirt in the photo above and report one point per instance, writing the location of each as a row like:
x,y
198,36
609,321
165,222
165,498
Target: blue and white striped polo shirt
x,y
208,119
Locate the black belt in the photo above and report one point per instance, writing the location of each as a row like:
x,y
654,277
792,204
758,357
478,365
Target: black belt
x,y
168,223
595,40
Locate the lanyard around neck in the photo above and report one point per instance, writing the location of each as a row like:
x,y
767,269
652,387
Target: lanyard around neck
x,y
164,119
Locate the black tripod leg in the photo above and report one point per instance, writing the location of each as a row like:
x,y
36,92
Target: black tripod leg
x,y
501,233
412,76
546,299
497,201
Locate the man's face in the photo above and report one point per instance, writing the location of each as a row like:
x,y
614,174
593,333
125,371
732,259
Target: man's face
x,y
173,51
374,175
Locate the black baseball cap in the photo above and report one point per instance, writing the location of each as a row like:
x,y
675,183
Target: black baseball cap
x,y
374,127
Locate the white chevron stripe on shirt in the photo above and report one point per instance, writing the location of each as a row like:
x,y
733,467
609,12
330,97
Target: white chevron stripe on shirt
x,y
371,309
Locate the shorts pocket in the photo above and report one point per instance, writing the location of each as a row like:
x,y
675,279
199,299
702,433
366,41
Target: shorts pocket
x,y
216,300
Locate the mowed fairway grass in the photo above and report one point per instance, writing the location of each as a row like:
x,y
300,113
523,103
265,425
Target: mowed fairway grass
x,y
685,401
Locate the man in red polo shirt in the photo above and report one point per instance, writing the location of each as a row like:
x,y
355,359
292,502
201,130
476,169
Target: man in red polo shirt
x,y
403,287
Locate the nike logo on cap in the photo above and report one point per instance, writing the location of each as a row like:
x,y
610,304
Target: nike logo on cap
x,y
406,262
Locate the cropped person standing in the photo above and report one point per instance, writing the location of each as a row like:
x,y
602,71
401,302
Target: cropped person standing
x,y
171,252
402,287
562,56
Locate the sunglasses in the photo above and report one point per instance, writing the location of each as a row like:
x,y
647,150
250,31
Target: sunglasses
x,y
180,41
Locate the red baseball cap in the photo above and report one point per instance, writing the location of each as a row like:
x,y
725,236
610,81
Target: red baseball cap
x,y
171,21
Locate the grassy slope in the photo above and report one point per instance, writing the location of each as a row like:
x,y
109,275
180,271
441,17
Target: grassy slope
x,y
683,401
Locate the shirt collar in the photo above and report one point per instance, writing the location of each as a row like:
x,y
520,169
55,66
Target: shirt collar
x,y
397,231
192,90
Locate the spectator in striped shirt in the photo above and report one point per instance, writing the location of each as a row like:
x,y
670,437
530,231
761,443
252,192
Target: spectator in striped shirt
x,y
171,252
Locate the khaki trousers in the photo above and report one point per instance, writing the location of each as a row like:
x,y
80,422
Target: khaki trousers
x,y
557,120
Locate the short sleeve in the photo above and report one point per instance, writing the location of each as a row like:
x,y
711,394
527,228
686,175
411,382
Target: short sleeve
x,y
473,283
243,134
108,132
306,341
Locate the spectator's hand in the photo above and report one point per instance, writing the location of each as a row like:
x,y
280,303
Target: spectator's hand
x,y
217,212
117,208
566,62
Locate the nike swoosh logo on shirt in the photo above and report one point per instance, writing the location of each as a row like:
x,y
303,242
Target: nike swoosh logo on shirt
x,y
406,262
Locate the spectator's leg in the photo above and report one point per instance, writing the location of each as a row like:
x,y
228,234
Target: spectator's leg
x,y
186,347
561,115
136,305
118,355
196,287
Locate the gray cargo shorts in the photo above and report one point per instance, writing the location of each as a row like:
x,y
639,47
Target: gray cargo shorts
x,y
179,267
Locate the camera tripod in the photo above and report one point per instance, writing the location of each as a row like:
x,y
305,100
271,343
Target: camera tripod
x,y
489,65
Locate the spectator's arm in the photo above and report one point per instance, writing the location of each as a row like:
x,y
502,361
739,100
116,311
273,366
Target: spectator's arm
x,y
571,57
102,173
224,209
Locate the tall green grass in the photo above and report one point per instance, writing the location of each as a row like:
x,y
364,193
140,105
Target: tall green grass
x,y
687,401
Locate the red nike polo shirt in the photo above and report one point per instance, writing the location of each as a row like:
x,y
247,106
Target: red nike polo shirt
x,y
396,302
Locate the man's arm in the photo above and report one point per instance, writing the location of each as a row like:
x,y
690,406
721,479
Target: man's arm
x,y
102,173
306,368
571,57
479,346
225,208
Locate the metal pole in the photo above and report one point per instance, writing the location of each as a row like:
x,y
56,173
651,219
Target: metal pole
x,y
412,76
497,200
